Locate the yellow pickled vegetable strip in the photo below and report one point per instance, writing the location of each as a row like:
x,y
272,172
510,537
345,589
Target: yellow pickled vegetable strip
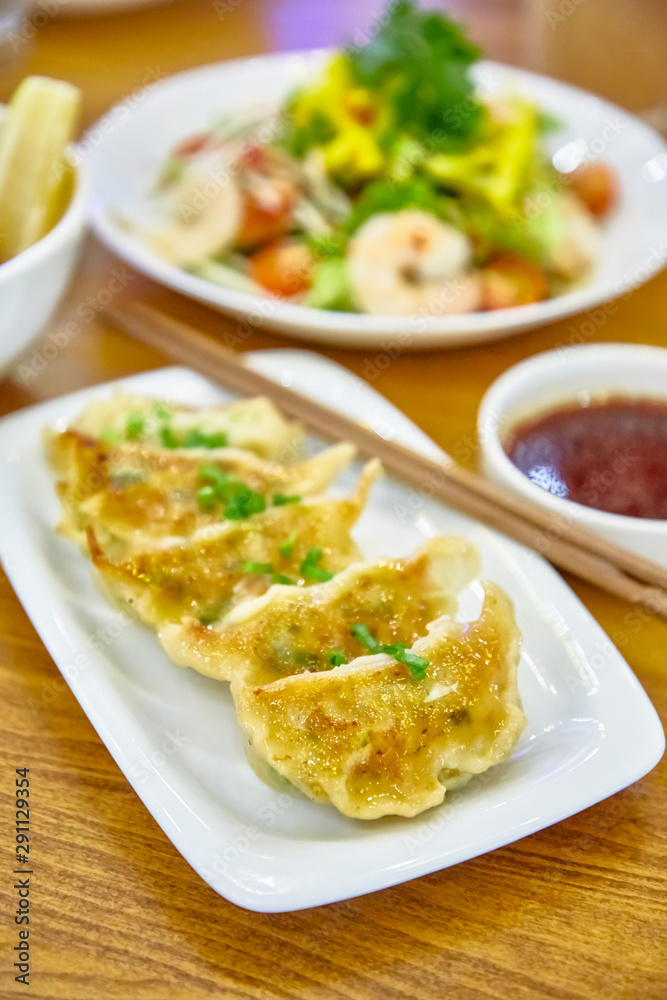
x,y
35,130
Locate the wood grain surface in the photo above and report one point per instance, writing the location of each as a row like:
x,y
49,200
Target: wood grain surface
x,y
576,912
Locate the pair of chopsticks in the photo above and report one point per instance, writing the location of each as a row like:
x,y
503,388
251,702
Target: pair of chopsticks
x,y
569,547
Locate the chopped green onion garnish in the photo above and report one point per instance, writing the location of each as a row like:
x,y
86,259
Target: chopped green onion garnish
x,y
336,657
206,497
243,503
287,547
110,436
240,500
135,427
394,648
194,438
280,499
311,571
362,633
304,659
162,412
285,580
416,664
218,440
215,474
317,574
167,437
257,567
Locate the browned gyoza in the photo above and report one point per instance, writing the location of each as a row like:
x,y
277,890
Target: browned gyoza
x,y
209,526
132,493
373,740
205,576
249,424
288,631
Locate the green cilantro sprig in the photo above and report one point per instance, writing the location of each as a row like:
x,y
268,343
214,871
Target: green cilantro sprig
x,y
399,650
423,59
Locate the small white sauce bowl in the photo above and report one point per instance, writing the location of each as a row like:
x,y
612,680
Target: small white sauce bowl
x,y
33,282
555,379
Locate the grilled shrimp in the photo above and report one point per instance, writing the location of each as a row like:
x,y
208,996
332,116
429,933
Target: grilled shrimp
x,y
408,262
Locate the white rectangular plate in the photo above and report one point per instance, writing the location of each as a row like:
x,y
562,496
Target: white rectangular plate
x,y
591,729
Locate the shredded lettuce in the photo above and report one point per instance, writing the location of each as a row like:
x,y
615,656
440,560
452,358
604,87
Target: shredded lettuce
x,y
385,196
227,277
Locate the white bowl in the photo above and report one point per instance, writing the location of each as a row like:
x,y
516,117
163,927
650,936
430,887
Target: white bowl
x,y
127,148
33,282
549,380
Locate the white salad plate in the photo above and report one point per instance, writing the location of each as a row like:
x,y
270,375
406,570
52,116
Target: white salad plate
x,y
128,148
591,729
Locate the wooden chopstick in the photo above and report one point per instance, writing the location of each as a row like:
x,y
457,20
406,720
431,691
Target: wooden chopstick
x,y
568,546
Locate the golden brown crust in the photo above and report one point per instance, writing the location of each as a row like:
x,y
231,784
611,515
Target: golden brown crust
x,y
133,493
369,736
291,630
375,741
204,574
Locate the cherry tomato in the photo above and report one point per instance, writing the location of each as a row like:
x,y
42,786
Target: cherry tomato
x,y
509,279
597,186
268,220
284,267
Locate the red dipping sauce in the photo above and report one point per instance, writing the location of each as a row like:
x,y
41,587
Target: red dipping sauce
x,y
611,456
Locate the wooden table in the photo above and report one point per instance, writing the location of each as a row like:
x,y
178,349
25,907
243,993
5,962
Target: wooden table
x,y
577,911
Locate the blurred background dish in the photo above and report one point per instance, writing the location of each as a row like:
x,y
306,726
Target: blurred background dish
x,y
386,184
125,166
43,200
33,283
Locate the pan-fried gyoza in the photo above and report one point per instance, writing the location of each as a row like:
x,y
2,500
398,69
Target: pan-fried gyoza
x,y
131,493
370,738
352,680
287,631
250,424
208,573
